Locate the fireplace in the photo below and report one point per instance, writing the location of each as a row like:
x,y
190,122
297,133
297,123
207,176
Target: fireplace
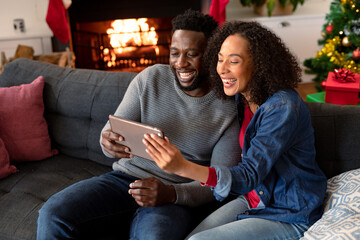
x,y
123,44
118,35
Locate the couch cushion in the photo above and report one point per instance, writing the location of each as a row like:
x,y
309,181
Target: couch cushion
x,y
77,103
341,219
23,127
22,194
337,132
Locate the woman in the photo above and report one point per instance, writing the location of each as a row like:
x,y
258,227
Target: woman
x,y
278,184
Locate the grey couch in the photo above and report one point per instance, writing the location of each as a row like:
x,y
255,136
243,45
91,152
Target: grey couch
x,y
77,105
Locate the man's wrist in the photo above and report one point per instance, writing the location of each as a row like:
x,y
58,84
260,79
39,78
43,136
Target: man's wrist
x,y
172,195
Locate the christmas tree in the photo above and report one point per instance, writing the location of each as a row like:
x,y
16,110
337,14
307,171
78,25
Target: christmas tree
x,y
341,41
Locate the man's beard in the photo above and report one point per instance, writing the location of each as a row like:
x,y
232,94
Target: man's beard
x,y
198,79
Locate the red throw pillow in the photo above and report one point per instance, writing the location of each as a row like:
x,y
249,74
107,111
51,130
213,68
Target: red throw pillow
x,y
23,127
5,168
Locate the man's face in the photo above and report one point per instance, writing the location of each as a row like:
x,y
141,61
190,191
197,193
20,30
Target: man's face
x,y
186,51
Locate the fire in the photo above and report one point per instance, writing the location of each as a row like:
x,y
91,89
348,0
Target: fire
x,y
128,34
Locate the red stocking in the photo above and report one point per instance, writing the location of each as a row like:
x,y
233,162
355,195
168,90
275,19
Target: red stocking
x,y
217,10
56,20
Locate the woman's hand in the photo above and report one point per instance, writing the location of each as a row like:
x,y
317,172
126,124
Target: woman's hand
x,y
167,156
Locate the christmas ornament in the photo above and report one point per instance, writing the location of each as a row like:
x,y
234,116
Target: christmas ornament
x,y
346,42
356,54
323,34
329,28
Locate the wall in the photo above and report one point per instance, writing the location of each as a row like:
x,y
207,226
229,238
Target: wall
x,y
32,11
234,10
37,33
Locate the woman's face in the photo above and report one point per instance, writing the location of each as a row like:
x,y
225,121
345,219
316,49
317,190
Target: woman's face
x,y
235,65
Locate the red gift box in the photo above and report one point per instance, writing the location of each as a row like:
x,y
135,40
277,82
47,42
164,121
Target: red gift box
x,y
342,91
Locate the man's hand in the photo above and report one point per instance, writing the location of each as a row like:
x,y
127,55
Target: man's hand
x,y
109,141
151,192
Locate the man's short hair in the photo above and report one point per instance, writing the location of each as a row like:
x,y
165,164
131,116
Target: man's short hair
x,y
195,21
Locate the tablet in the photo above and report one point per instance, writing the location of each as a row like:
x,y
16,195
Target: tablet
x,y
133,133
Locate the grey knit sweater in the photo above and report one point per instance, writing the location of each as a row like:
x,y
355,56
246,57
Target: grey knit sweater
x,y
205,129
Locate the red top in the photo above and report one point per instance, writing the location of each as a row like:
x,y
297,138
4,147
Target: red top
x,y
252,198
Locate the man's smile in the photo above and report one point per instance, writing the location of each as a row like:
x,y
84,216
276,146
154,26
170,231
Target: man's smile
x,y
186,76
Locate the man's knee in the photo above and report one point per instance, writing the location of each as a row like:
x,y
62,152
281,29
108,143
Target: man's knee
x,y
52,209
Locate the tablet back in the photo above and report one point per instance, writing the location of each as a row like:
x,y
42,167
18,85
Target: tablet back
x,y
133,133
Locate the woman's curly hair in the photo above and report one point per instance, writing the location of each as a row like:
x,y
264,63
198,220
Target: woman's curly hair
x,y
195,21
274,67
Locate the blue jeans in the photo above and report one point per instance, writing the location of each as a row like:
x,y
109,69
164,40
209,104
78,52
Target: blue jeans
x,y
222,224
96,206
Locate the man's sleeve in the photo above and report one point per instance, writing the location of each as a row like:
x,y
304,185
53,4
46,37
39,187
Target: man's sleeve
x,y
128,108
227,153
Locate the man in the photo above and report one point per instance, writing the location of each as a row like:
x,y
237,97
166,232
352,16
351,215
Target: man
x,y
138,198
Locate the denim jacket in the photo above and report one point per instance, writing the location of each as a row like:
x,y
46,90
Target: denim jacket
x,y
278,161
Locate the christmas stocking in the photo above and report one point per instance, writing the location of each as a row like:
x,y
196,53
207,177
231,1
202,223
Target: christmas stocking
x,y
56,20
217,10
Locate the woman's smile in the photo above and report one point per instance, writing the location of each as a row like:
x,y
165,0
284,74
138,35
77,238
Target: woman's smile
x,y
228,82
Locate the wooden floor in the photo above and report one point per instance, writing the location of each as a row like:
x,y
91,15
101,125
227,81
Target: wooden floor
x,y
305,89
